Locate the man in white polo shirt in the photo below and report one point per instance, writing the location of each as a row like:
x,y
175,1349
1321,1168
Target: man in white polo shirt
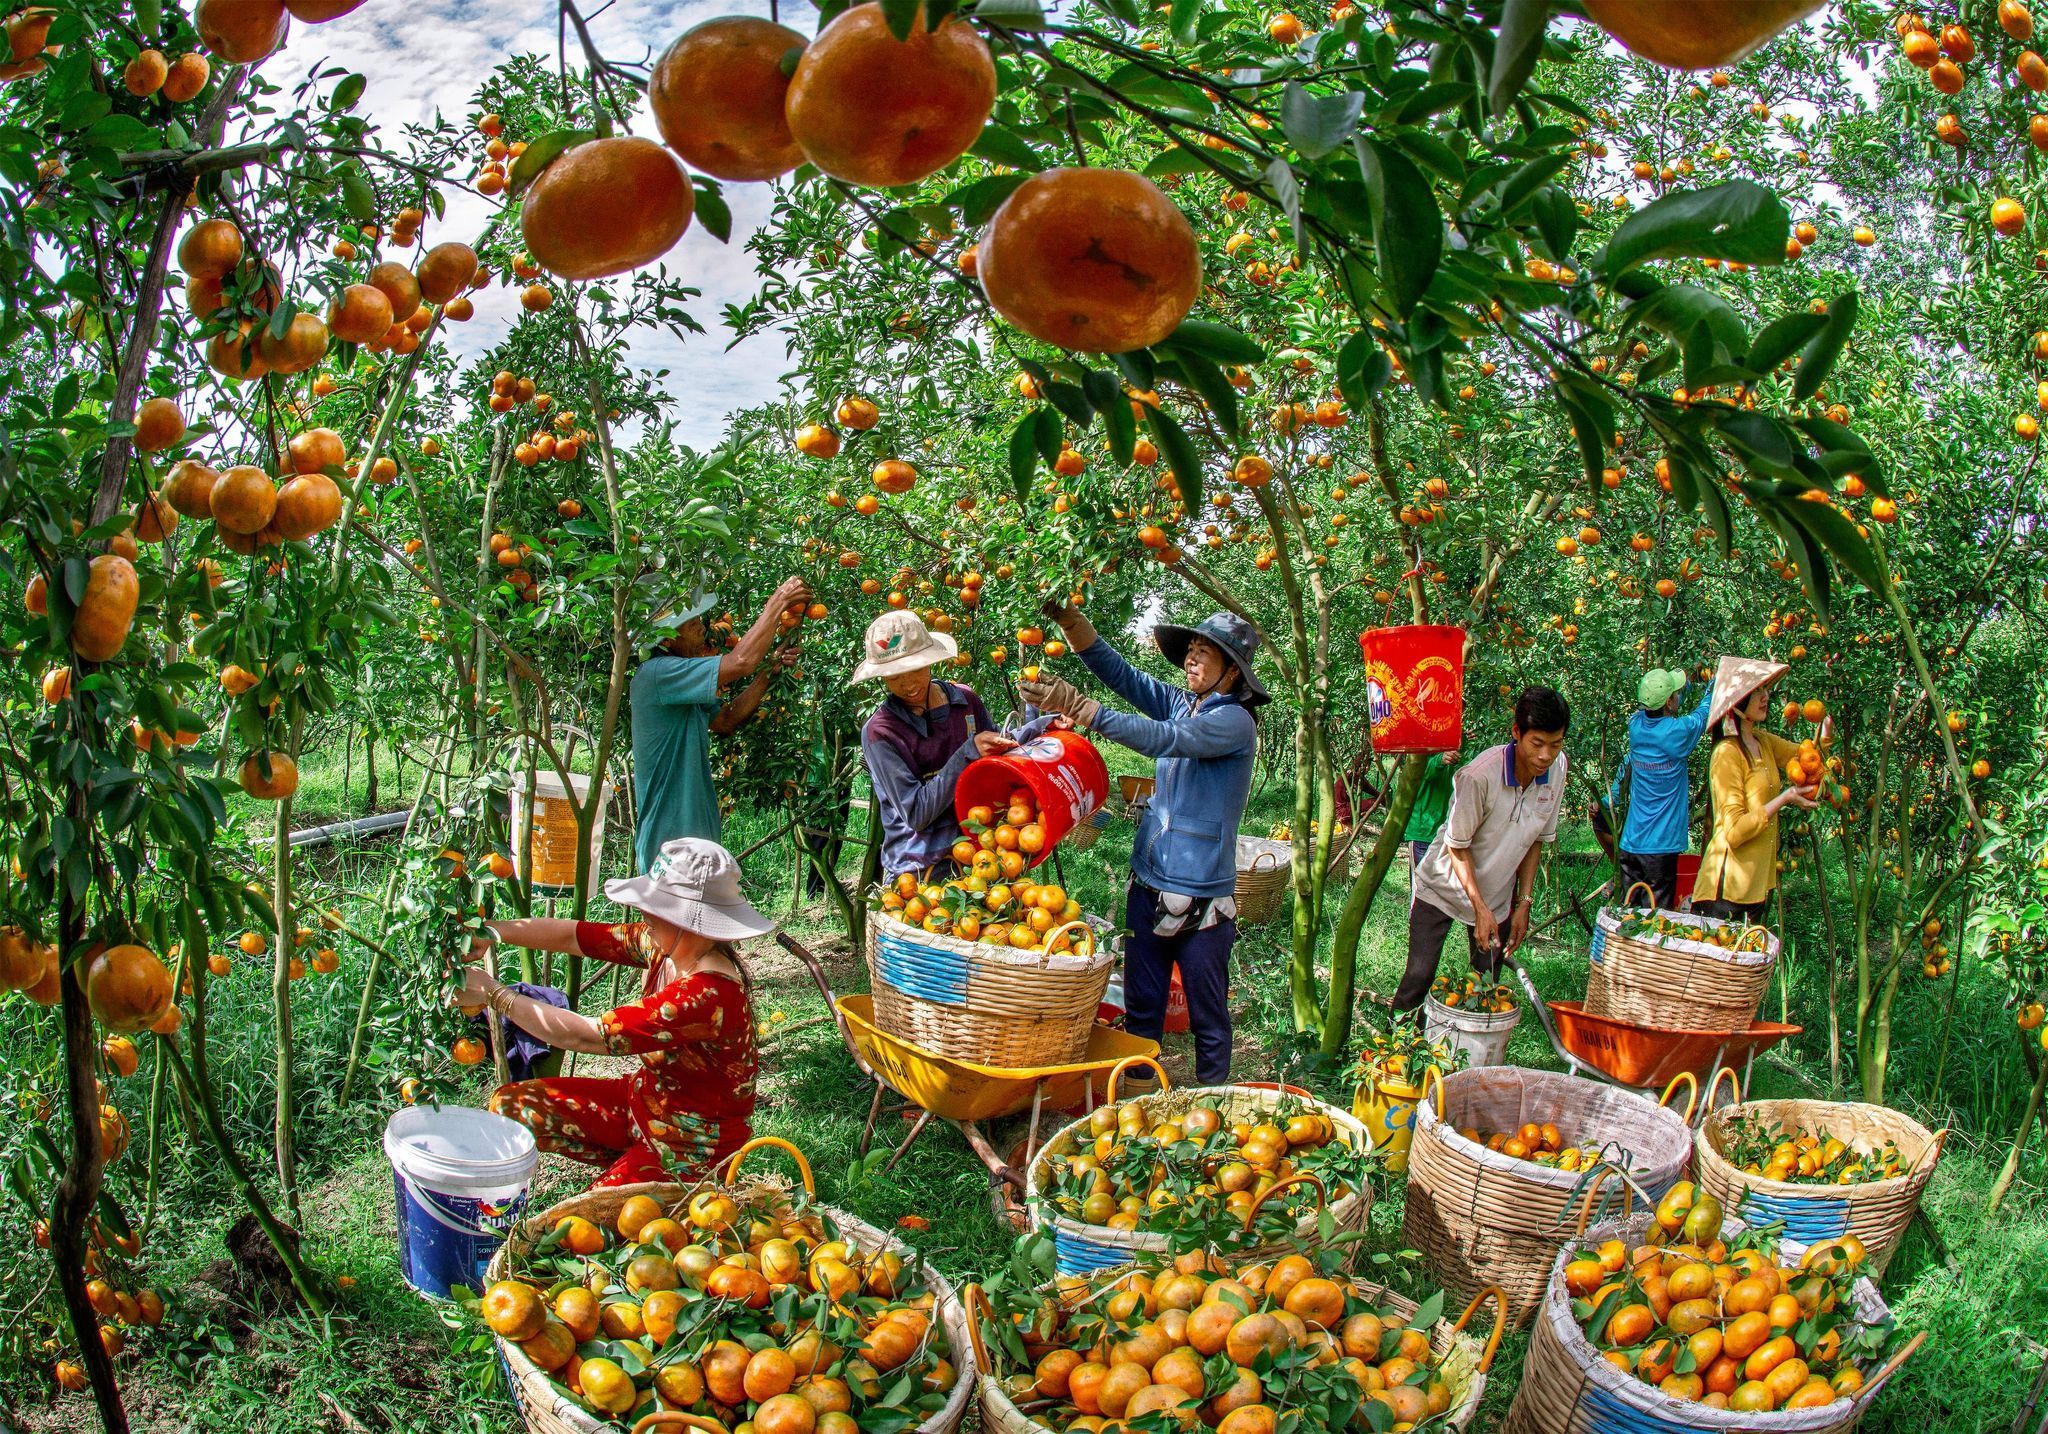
x,y
1481,869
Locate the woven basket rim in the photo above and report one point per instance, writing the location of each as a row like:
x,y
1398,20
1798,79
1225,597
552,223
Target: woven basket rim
x,y
1036,959
1920,1170
1445,1131
1609,918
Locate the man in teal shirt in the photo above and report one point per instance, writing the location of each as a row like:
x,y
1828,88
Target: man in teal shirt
x,y
1432,803
674,698
1660,744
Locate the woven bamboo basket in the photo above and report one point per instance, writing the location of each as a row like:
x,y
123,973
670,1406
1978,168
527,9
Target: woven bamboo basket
x,y
1084,1249
1876,1213
548,1408
1675,984
1460,1356
1568,1387
1265,873
1088,831
987,1005
1484,1218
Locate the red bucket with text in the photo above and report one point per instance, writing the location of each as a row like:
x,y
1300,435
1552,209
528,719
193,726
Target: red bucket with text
x,y
1415,687
1065,775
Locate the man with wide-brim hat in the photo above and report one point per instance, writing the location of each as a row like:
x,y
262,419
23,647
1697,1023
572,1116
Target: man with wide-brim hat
x,y
1739,866
1656,771
1181,907
675,710
690,1102
921,738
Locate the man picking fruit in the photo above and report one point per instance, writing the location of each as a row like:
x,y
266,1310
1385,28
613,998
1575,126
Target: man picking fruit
x,y
1482,866
1181,907
917,743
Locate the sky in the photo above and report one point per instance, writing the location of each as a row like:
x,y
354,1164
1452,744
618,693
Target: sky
x,y
420,55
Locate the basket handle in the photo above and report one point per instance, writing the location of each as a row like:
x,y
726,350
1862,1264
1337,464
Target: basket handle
x,y
1890,1367
803,1166
1304,1178
975,1304
1266,856
1431,1073
1116,1071
1734,1086
676,1419
1628,1198
1749,930
1934,1147
1500,1321
1692,1099
1645,886
1045,946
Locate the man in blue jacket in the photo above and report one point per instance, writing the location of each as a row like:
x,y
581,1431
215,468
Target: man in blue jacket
x,y
1660,744
1181,907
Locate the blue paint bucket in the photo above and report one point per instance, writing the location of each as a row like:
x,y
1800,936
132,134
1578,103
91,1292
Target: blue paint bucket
x,y
462,1177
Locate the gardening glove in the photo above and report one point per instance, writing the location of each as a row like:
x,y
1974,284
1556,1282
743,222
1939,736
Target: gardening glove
x,y
1080,632
1055,694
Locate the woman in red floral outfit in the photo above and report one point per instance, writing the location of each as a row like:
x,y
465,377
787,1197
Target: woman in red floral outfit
x,y
689,1104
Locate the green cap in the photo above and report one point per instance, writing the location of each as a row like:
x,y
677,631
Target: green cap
x,y
1660,685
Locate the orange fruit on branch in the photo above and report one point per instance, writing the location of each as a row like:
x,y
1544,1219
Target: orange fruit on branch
x,y
315,450
606,206
146,73
127,987
282,781
158,425
399,286
1095,260
1695,34
870,109
242,500
360,314
445,271
242,32
107,610
210,249
303,344
718,95
310,503
186,77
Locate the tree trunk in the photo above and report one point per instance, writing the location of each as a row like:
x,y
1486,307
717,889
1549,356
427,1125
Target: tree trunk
x,y
370,769
281,998
1351,923
2011,1167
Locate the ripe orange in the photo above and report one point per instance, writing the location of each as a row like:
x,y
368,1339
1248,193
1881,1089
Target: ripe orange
x,y
360,314
186,77
718,95
817,441
242,500
1096,260
310,503
128,988
1695,34
210,249
399,286
514,1311
894,476
158,425
870,109
107,610
304,344
146,73
283,779
606,206
316,449
445,271
2008,217
242,32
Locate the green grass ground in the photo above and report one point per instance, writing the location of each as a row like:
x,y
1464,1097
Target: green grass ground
x,y
393,1364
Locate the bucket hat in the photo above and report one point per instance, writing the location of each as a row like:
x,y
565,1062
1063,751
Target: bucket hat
x,y
669,622
898,641
1660,685
695,884
1735,679
1238,639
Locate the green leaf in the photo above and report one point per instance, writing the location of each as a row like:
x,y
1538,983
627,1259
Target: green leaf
x,y
347,93
1844,451
1557,220
1363,369
712,210
1826,346
1678,309
1122,429
1072,401
1407,228
1317,124
980,199
1739,220
1180,454
1592,424
1287,193
1046,434
901,16
1000,146
1780,339
1759,439
541,153
1527,182
1218,342
356,194
1208,380
1184,20
1522,23
1835,532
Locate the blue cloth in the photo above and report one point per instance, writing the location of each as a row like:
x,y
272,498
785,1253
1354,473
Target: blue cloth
x,y
673,699
1659,805
523,1049
1204,960
1187,840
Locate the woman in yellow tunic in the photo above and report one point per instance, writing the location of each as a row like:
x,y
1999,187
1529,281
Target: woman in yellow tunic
x,y
1740,865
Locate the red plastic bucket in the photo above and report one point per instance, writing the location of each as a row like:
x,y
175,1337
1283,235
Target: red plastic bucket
x,y
1415,687
1064,773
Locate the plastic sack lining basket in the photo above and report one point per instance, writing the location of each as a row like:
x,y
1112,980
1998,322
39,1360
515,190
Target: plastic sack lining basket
x,y
1877,1213
1481,1217
1568,1387
548,1408
987,1005
1460,1356
1673,983
1083,1249
1265,873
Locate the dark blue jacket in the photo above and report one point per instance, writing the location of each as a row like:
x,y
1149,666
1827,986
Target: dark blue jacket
x,y
1187,839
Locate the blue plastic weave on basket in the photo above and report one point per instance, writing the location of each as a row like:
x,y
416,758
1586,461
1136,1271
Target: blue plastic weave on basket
x,y
1610,1415
926,972
1806,1219
1073,1255
1598,950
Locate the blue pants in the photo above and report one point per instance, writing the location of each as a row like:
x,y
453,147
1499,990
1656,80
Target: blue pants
x,y
1204,961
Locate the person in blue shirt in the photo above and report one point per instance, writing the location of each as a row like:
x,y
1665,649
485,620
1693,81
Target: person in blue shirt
x,y
1660,744
1181,907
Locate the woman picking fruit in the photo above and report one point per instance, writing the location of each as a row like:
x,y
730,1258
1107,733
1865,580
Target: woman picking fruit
x,y
920,739
688,1106
1180,908
1740,864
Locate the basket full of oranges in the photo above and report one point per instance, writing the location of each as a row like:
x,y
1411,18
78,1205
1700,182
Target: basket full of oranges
x,y
1677,971
988,965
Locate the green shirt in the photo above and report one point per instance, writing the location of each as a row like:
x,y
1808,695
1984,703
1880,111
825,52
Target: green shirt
x,y
1432,801
673,701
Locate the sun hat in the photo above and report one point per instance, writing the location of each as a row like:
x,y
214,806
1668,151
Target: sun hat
x,y
898,641
695,884
1238,639
669,622
1660,685
1735,679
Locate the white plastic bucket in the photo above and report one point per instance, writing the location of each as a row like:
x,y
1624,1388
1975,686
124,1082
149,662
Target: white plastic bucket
x,y
1481,1035
556,840
462,1177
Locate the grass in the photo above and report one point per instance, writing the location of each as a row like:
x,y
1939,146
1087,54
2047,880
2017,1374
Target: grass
x,y
393,1364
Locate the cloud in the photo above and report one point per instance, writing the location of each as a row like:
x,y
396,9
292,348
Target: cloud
x,y
427,56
